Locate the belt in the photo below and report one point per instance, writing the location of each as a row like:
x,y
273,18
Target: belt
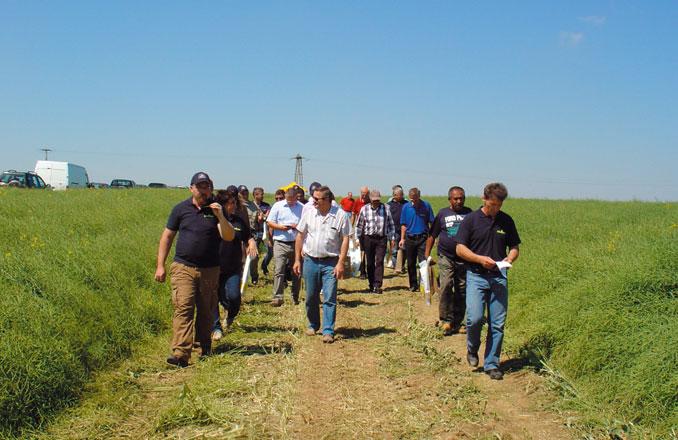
x,y
416,236
482,271
322,258
283,241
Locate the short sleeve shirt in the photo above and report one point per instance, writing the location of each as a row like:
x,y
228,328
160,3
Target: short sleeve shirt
x,y
347,204
484,235
358,205
230,252
324,233
252,214
198,237
285,214
445,228
416,218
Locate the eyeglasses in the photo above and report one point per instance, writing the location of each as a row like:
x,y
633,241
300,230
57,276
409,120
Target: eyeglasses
x,y
319,198
279,198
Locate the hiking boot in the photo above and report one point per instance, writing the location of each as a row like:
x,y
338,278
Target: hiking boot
x,y
447,328
310,332
277,302
414,289
328,339
472,359
378,290
255,282
495,373
217,335
177,362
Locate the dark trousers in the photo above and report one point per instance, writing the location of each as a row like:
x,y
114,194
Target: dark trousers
x,y
361,242
375,250
414,251
452,290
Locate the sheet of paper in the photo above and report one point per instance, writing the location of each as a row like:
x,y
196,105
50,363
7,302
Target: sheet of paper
x,y
503,264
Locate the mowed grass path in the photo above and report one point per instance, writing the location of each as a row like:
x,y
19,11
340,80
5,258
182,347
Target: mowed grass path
x,y
389,375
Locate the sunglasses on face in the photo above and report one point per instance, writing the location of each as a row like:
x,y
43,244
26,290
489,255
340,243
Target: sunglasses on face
x,y
319,198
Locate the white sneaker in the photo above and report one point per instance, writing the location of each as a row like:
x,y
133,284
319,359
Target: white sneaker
x,y
389,264
217,334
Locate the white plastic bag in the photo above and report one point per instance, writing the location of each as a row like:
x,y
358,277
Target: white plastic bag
x,y
245,274
425,280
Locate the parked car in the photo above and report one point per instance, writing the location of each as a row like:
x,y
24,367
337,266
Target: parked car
x,y
123,184
62,175
98,185
22,179
157,185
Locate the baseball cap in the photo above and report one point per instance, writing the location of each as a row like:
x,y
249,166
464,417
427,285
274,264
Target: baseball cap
x,y
375,194
200,177
242,188
313,187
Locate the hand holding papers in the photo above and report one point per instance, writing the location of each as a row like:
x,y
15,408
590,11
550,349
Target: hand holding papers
x,y
503,264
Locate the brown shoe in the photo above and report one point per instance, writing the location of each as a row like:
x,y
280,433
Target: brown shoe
x,y
447,328
328,339
276,302
310,332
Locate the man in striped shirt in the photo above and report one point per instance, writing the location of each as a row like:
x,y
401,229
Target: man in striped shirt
x,y
373,227
323,239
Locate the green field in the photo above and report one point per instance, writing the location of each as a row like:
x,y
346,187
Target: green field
x,y
592,300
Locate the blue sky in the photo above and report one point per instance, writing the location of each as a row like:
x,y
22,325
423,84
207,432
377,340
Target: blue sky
x,y
556,100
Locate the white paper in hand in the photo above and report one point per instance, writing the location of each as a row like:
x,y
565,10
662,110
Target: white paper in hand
x,y
503,265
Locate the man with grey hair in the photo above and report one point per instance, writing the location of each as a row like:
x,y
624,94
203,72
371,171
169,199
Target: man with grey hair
x,y
395,205
373,228
415,220
323,241
282,220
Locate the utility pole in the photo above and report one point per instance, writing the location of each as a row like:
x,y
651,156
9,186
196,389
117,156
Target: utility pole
x,y
46,150
298,171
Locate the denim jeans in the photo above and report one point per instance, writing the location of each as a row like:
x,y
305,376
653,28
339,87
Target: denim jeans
x,y
486,291
319,275
229,298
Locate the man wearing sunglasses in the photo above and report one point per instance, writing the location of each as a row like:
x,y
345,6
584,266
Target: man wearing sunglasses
x,y
323,240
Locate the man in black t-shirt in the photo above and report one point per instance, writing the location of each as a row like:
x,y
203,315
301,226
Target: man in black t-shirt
x,y
451,268
194,273
482,240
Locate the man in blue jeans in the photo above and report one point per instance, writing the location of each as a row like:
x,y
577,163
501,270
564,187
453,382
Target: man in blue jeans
x,y
483,238
323,238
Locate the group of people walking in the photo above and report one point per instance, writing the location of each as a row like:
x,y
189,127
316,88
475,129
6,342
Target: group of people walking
x,y
311,239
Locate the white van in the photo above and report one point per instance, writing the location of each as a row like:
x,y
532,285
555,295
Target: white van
x,y
62,175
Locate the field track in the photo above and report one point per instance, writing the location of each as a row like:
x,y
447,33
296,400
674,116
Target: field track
x,y
389,375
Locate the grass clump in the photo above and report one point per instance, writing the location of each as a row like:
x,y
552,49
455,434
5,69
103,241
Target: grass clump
x,y
78,292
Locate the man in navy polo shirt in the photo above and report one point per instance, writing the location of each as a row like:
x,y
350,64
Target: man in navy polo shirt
x,y
415,220
194,273
482,240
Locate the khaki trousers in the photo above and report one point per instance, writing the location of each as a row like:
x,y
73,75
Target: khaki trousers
x,y
194,293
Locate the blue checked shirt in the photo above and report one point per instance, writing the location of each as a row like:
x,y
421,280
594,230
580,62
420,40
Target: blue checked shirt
x,y
375,222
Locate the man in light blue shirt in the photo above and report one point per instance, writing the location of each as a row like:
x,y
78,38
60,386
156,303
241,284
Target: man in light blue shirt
x,y
282,220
